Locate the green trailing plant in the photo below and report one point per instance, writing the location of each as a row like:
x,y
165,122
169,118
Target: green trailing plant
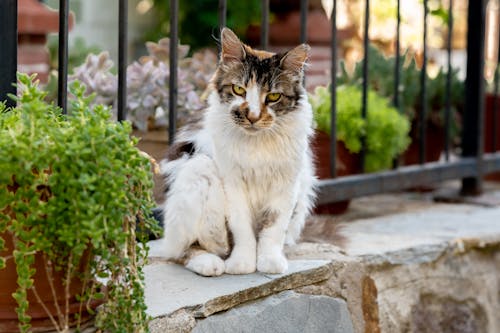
x,y
74,187
385,130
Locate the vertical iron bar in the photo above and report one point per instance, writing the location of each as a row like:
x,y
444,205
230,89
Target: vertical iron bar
x,y
447,114
122,59
304,5
397,70
423,93
172,96
62,81
333,94
222,18
364,104
473,134
264,26
496,95
8,55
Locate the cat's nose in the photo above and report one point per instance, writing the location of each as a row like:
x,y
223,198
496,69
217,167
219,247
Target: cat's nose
x,y
252,117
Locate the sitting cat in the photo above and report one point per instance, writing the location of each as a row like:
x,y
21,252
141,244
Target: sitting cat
x,y
241,181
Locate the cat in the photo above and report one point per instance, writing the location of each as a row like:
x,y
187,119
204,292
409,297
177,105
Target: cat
x,y
241,180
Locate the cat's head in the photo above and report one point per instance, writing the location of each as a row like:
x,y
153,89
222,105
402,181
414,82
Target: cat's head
x,y
258,87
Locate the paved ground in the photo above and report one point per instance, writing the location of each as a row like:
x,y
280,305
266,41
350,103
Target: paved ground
x,y
392,222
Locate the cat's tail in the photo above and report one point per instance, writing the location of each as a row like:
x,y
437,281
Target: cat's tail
x,y
170,167
177,155
305,203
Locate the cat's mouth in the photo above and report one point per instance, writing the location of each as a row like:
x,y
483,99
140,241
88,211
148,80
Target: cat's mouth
x,y
254,128
251,128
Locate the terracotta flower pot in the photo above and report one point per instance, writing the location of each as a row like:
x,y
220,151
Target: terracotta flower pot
x,y
434,144
346,164
35,21
50,289
284,30
488,131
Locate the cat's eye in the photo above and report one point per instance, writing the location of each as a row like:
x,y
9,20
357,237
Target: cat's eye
x,y
238,90
273,97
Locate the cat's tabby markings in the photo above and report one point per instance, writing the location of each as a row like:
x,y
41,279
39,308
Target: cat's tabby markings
x,y
241,182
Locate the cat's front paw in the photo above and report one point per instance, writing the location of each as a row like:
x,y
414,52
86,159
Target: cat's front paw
x,y
206,264
272,263
240,265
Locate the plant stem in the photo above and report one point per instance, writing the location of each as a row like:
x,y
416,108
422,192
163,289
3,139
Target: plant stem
x,y
48,273
51,317
66,290
84,286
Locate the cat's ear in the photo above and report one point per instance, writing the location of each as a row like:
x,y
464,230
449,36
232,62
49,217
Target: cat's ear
x,y
232,48
295,59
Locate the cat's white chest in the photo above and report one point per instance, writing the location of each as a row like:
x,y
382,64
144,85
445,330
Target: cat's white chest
x,y
261,173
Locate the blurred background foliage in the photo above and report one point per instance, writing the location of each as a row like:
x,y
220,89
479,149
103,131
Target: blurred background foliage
x,y
200,18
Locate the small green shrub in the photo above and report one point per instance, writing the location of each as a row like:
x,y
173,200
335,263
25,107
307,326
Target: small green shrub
x,y
381,79
386,131
71,184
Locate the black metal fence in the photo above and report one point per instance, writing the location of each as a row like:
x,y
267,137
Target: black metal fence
x,y
472,165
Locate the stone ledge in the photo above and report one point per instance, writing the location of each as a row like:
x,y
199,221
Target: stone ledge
x,y
170,287
396,273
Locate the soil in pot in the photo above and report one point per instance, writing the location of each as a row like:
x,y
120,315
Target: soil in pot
x,y
346,164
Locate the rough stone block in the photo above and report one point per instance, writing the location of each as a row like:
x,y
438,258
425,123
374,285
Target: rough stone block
x,y
288,312
447,315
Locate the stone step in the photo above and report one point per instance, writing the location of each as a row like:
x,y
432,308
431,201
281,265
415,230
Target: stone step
x,y
406,264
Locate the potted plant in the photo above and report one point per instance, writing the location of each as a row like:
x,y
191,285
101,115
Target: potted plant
x,y
492,106
384,129
72,190
381,79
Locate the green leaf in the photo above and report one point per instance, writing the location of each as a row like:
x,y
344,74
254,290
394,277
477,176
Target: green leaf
x,y
98,296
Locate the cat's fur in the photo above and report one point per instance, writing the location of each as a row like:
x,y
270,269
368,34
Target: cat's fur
x,y
241,182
